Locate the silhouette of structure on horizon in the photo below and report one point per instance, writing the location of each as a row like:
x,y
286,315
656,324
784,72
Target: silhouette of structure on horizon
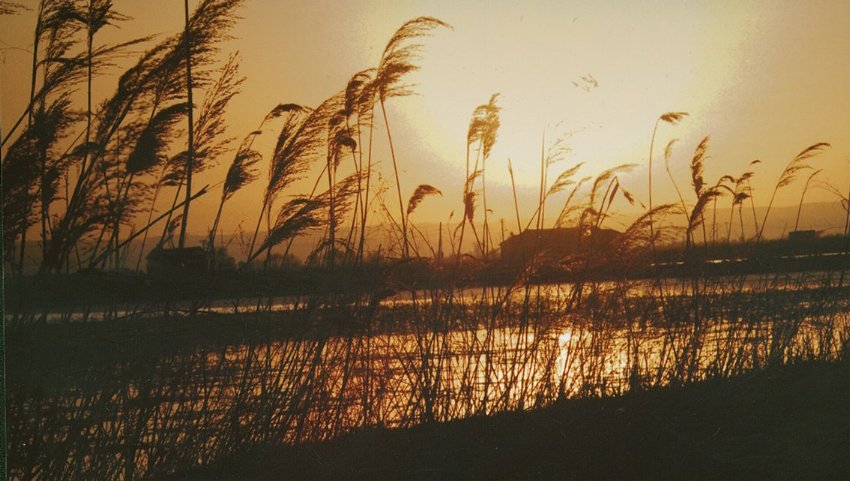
x,y
188,261
802,235
181,260
555,244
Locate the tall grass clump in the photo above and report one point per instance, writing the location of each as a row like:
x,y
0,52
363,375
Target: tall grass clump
x,y
672,118
397,60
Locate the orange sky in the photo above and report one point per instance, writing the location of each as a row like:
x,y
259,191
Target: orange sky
x,y
764,79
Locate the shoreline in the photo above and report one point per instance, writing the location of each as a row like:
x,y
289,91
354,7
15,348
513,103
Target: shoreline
x,y
784,422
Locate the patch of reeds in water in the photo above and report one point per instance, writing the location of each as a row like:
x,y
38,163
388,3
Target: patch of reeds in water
x,y
445,357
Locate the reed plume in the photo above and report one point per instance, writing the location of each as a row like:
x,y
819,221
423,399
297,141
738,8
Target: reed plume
x,y
303,213
569,208
359,107
356,112
672,118
697,161
563,181
299,142
209,142
56,26
740,192
609,178
154,140
340,139
25,182
632,244
419,194
789,174
399,55
10,8
803,196
470,197
698,183
397,60
240,173
697,217
154,80
483,130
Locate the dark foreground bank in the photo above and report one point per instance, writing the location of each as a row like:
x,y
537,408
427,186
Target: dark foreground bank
x,y
789,422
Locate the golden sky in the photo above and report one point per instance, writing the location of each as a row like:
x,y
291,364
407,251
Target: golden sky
x,y
764,79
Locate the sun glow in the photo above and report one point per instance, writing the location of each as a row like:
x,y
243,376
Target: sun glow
x,y
559,75
599,74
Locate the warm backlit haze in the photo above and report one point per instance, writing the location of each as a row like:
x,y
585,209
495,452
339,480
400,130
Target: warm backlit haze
x,y
764,79
354,324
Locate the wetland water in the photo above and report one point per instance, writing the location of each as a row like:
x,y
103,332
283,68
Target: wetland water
x,y
144,415
640,287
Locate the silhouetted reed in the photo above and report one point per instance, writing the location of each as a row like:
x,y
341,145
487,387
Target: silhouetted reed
x,y
97,187
448,355
789,174
397,60
190,381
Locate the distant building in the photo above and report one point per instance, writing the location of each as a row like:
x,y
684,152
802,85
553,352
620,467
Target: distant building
x,y
554,244
802,235
189,260
178,261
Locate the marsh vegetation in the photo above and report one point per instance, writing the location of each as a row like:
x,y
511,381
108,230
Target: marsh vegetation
x,y
164,383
